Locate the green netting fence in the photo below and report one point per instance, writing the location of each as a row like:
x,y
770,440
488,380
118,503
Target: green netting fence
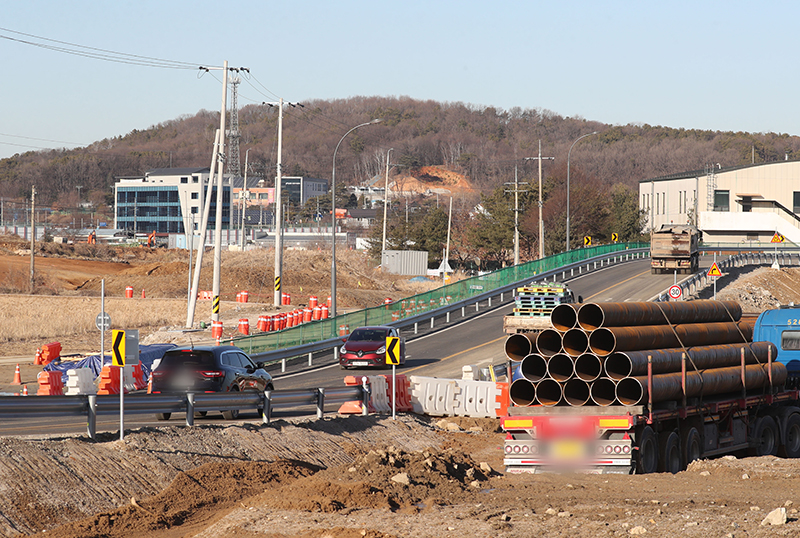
x,y
410,306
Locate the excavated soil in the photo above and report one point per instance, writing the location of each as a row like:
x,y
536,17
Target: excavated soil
x,y
759,289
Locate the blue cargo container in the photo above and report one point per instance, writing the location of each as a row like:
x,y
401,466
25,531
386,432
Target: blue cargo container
x,y
782,328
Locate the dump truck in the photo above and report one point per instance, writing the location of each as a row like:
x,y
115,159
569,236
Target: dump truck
x,y
602,402
533,305
675,248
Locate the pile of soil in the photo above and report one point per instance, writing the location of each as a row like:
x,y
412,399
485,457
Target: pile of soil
x,y
758,289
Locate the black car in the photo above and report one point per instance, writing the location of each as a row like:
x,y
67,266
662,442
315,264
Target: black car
x,y
208,369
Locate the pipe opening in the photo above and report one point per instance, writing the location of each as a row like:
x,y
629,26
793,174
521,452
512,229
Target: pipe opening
x,y
576,392
563,317
533,368
602,342
548,392
517,346
630,391
560,367
575,342
604,392
588,367
590,316
522,393
618,366
548,342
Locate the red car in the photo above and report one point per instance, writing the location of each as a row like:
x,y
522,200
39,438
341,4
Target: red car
x,y
366,346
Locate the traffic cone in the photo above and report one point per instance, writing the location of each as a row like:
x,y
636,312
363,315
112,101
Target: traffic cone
x,y
143,293
24,390
38,357
17,378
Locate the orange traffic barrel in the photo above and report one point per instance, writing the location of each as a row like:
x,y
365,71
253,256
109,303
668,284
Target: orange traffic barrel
x,y
261,325
307,315
216,329
387,302
244,326
329,302
129,292
245,296
344,330
312,301
290,318
395,316
323,312
316,313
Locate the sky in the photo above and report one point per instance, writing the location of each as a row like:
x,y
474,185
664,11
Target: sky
x,y
718,65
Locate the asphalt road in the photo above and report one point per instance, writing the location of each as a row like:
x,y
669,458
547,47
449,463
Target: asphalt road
x,y
477,340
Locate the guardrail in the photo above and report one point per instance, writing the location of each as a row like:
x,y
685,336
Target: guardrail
x,y
92,405
359,319
695,283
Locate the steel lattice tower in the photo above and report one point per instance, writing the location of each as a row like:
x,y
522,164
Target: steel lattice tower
x,y
234,166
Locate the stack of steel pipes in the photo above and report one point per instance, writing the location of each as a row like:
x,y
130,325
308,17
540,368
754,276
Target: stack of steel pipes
x,y
598,354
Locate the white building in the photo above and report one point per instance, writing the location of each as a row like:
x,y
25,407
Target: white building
x,y
738,204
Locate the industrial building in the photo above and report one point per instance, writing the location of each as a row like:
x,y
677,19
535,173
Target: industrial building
x,y
740,204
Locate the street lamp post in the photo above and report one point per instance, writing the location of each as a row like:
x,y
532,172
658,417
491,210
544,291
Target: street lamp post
x,y
333,216
385,203
568,154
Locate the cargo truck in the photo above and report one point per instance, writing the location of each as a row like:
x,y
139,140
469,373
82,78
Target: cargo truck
x,y
675,248
668,435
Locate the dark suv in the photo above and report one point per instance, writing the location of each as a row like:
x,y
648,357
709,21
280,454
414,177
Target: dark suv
x,y
208,369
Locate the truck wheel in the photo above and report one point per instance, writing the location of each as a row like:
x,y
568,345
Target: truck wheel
x,y
692,445
791,448
669,453
764,438
647,460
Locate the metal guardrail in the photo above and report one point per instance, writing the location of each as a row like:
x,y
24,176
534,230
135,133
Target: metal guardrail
x,y
92,405
590,264
695,283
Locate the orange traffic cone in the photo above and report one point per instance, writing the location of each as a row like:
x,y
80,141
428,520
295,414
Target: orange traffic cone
x,y
17,378
24,390
143,293
38,357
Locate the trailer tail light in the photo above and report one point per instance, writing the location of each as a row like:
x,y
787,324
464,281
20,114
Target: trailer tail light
x,y
609,449
517,449
617,449
626,449
534,449
508,449
525,449
599,449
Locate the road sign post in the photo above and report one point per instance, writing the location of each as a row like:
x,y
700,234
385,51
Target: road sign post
x,y
118,359
777,238
393,358
714,272
615,237
675,292
587,241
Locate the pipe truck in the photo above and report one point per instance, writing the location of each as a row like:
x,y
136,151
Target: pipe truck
x,y
675,248
646,387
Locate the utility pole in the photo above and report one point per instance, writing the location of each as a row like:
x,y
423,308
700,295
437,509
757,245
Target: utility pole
x,y
215,290
243,195
385,202
446,264
516,192
541,204
33,235
277,298
234,168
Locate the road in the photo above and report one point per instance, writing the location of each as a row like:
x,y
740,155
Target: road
x,y
477,340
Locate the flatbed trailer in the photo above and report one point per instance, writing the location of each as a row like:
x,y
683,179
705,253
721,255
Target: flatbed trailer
x,y
649,438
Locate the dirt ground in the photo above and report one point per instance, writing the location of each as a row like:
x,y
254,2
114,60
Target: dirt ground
x,y
374,477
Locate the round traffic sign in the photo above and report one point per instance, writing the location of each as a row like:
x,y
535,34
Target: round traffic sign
x,y
675,292
102,321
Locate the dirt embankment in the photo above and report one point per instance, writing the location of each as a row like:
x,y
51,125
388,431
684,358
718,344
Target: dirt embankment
x,y
758,289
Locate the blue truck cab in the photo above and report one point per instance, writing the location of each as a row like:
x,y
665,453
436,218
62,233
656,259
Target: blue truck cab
x,y
782,328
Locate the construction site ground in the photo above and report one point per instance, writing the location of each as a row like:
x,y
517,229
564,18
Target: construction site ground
x,y
338,477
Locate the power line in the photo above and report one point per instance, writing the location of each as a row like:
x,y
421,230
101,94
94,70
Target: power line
x,y
43,139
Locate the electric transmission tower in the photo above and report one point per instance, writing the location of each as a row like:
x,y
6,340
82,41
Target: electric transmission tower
x,y
234,167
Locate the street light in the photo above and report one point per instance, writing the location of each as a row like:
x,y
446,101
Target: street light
x,y
333,216
568,154
385,202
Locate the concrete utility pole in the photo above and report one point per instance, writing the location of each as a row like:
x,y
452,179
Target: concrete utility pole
x,y
276,299
242,198
516,192
33,235
447,250
215,290
541,204
385,201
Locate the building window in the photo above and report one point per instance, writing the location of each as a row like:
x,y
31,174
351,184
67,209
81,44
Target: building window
x,y
747,204
194,210
722,200
195,179
184,180
657,202
195,195
796,202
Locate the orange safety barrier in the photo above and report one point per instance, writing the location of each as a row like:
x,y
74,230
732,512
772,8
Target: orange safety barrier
x,y
344,330
502,399
289,316
328,302
355,407
50,352
216,329
50,384
395,316
244,296
244,326
109,380
239,297
323,312
313,301
387,302
17,377
286,299
316,312
129,292
262,323
403,393
204,295
307,315
139,381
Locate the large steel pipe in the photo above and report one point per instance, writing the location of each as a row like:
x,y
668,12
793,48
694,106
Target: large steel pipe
x,y
575,342
548,342
606,340
604,391
592,316
576,392
588,367
622,364
561,367
633,390
522,392
533,367
518,346
549,392
564,317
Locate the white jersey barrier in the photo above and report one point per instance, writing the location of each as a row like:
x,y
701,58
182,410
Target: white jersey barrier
x,y
477,399
380,393
457,397
80,381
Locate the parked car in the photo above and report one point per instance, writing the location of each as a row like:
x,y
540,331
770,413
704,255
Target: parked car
x,y
366,346
208,369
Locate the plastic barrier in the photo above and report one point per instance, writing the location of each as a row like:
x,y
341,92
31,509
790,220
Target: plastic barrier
x,y
51,352
380,393
204,295
307,315
470,372
403,403
129,292
316,313
286,299
109,380
433,396
476,399
139,382
354,407
323,314
244,296
80,381
50,384
313,301
244,326
501,399
216,329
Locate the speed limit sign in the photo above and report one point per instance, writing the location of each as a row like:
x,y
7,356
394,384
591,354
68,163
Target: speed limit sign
x,y
675,292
